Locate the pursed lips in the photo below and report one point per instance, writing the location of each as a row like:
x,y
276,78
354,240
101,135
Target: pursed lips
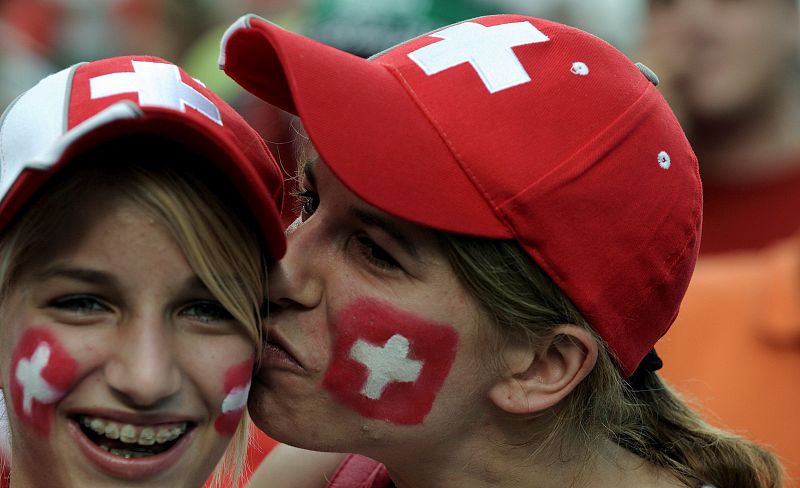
x,y
279,353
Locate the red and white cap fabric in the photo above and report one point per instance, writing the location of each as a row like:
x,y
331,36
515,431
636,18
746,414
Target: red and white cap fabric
x,y
507,127
90,103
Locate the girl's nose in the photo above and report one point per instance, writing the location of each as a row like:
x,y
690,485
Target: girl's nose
x,y
295,281
144,368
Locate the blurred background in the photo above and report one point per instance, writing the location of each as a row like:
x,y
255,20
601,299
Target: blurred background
x,y
40,36
729,69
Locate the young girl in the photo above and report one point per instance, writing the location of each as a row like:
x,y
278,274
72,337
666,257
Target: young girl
x,y
499,225
132,275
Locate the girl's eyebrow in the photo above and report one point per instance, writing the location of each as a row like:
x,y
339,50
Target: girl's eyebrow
x,y
386,225
86,275
90,276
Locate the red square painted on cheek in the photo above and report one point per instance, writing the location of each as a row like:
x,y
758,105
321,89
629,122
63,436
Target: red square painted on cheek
x,y
389,364
42,372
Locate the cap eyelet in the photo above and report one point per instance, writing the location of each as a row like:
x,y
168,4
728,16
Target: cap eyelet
x,y
579,68
664,160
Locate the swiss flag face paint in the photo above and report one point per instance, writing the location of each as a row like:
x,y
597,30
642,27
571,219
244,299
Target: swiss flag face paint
x,y
237,386
389,364
41,373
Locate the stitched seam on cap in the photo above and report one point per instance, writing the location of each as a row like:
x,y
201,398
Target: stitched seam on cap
x,y
443,135
545,263
689,232
591,143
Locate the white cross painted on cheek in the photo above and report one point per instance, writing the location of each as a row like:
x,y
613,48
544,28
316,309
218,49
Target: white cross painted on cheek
x,y
487,49
236,399
29,375
158,85
387,364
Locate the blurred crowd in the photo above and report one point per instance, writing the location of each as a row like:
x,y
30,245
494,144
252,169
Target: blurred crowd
x,y
728,68
39,36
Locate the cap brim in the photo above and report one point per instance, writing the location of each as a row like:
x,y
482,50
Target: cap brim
x,y
356,111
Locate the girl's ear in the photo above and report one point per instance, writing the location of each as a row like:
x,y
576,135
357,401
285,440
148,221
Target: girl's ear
x,y
537,379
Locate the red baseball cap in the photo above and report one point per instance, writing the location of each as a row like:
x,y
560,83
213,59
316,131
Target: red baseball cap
x,y
90,103
507,127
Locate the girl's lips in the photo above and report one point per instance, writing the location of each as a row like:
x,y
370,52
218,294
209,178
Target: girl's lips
x,y
132,468
276,355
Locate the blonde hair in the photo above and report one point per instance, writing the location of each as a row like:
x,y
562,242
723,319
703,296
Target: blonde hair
x,y
215,232
648,419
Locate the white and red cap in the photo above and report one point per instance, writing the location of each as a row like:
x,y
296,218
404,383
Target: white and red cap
x,y
81,106
507,127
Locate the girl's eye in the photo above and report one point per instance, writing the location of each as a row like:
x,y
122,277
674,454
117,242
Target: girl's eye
x,y
82,304
207,312
375,254
309,201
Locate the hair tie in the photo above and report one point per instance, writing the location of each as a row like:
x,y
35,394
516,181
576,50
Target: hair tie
x,y
651,362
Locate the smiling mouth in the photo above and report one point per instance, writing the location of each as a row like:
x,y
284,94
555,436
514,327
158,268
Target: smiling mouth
x,y
131,441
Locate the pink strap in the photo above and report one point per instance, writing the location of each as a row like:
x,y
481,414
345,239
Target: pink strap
x,y
359,472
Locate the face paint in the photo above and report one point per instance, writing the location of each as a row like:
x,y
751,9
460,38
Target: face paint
x,y
237,386
42,372
389,364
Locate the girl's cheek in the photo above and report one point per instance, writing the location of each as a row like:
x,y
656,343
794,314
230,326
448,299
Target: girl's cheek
x,y
236,388
389,364
42,372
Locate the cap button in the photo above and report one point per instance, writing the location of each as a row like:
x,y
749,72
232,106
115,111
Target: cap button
x,y
648,73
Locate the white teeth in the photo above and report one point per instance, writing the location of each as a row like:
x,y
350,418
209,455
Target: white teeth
x,y
131,434
112,431
147,437
97,426
164,435
127,434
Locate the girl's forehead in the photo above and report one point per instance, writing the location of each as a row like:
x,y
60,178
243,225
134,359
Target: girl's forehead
x,y
97,232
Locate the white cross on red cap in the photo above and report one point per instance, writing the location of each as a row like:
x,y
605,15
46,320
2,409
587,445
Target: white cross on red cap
x,y
158,85
486,49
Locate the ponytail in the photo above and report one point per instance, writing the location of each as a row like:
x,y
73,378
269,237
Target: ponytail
x,y
647,419
673,436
